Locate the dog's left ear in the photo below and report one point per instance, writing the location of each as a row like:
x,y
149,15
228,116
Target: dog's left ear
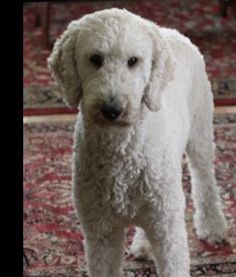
x,y
162,71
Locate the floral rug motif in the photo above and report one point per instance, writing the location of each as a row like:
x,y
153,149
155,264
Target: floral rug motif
x,y
199,20
53,242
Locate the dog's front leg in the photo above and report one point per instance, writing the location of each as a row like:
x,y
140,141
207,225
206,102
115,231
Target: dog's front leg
x,y
104,252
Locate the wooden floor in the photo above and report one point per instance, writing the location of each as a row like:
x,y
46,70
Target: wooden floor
x,y
72,117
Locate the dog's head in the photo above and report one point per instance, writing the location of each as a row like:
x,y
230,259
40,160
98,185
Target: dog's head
x,y
114,62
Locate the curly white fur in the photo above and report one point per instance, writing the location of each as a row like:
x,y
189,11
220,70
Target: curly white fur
x,y
128,171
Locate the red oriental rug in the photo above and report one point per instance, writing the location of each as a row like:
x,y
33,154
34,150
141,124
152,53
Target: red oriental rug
x,y
53,242
199,20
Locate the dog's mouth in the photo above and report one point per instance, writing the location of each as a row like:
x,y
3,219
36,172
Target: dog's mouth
x,y
106,123
110,116
116,116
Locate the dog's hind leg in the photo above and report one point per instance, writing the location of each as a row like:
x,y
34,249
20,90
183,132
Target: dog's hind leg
x,y
209,220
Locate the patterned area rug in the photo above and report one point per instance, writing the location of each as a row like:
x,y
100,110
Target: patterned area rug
x,y
53,242
199,20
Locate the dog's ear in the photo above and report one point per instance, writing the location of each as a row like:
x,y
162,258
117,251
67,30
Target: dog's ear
x,y
162,70
62,64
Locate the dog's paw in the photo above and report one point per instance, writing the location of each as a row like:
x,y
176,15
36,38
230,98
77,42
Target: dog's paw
x,y
141,249
214,239
213,230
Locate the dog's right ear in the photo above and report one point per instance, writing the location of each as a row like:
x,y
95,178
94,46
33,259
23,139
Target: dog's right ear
x,y
62,64
163,68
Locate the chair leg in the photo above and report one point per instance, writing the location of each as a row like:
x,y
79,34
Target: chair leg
x,y
233,6
37,22
223,7
45,22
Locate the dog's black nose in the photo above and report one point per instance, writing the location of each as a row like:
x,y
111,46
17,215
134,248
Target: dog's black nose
x,y
111,112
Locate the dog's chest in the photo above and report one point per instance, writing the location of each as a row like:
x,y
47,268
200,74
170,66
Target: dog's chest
x,y
115,175
115,169
121,179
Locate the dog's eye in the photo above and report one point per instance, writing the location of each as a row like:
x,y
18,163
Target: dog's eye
x,y
132,61
96,60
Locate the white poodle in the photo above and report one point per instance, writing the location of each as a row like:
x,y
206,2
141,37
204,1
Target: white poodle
x,y
144,99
